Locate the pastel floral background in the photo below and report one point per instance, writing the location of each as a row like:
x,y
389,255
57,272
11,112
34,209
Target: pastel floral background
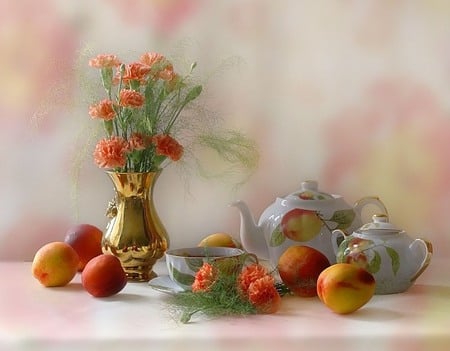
x,y
354,94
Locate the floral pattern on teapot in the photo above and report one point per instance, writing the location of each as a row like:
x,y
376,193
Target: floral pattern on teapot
x,y
305,217
302,225
361,252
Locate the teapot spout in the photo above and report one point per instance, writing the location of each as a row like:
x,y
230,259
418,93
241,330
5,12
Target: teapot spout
x,y
251,234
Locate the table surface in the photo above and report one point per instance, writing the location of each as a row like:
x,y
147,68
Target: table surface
x,y
33,317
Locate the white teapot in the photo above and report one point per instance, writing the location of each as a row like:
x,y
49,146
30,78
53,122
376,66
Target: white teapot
x,y
305,217
395,259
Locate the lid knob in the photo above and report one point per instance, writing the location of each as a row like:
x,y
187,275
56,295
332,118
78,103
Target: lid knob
x,y
380,218
310,185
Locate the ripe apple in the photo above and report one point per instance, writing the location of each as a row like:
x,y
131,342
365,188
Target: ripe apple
x,y
219,240
103,276
299,267
86,239
55,264
344,287
301,225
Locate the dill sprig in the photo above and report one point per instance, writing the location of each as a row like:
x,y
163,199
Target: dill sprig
x,y
223,299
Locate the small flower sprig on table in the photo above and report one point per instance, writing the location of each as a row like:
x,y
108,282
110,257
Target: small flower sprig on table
x,y
214,293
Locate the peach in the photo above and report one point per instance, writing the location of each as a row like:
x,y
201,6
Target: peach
x,y
103,276
301,225
219,240
86,239
55,264
344,287
299,267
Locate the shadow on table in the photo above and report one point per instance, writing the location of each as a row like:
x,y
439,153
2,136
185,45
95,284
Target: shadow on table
x,y
436,291
375,314
418,295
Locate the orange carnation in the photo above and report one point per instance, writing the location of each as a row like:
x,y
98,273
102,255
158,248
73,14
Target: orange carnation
x,y
130,98
167,73
168,146
104,61
248,275
204,278
135,71
160,67
151,58
138,141
264,296
111,153
103,110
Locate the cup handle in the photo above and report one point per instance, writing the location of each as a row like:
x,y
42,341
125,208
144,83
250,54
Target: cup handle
x,y
426,260
250,256
370,200
335,235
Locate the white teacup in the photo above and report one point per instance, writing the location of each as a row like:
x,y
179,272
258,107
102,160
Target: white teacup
x,y
184,263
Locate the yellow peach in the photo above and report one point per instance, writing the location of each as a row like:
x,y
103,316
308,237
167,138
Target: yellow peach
x,y
219,240
55,264
344,287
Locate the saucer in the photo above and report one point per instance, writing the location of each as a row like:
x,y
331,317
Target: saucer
x,y
164,284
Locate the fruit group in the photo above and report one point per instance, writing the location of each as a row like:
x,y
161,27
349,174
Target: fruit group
x,y
219,240
301,225
299,267
86,239
55,264
344,287
103,276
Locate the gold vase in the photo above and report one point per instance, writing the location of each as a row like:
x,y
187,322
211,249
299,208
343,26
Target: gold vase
x,y
135,233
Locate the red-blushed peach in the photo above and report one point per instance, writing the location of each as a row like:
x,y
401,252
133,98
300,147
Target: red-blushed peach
x,y
55,264
299,267
86,239
344,287
301,225
219,240
103,276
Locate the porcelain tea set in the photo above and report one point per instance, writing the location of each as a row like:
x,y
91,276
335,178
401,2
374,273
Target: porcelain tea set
x,y
329,224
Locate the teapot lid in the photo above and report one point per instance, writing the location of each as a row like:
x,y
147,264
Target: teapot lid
x,y
380,222
309,191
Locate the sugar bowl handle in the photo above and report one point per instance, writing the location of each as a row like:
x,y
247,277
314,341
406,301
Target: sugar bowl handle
x,y
337,236
427,248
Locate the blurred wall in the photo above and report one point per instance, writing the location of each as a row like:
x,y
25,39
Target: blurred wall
x,y
355,94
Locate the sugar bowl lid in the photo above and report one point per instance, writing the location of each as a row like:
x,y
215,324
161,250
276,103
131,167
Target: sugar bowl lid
x,y
380,224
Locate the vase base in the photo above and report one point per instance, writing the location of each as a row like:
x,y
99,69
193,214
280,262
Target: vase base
x,y
137,263
139,276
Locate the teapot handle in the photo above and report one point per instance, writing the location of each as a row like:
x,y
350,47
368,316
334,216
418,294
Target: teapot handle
x,y
426,260
369,200
335,236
